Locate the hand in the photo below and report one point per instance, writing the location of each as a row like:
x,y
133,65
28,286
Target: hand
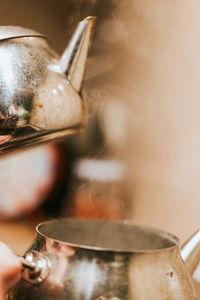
x,y
10,270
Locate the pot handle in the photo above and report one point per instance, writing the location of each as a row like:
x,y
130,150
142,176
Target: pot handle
x,y
190,252
26,264
36,267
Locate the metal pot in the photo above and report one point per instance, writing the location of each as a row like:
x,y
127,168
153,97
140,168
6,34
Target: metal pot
x,y
95,259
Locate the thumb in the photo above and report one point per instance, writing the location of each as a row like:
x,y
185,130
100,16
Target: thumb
x,y
10,270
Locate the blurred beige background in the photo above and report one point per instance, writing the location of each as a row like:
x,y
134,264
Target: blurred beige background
x,y
143,77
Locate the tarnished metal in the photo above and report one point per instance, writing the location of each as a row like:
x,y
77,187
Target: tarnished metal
x,y
94,259
39,98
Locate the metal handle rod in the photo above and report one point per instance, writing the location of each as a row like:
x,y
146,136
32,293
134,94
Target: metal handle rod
x,y
26,264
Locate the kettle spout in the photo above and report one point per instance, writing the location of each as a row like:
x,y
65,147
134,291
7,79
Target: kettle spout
x,y
190,252
73,60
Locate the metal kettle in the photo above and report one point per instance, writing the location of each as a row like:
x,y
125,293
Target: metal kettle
x,y
40,92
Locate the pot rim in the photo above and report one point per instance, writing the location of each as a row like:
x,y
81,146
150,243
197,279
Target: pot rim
x,y
168,237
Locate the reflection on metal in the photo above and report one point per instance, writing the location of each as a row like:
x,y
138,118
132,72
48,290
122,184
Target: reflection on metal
x,y
93,259
39,92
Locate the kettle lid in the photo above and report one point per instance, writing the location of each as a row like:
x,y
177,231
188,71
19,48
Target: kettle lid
x,y
12,32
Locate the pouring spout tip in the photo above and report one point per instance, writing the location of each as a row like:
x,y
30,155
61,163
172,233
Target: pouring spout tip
x,y
91,19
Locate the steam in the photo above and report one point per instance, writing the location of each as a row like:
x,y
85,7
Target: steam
x,y
144,66
152,50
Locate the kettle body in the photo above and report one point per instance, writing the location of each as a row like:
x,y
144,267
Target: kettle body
x,y
40,93
96,259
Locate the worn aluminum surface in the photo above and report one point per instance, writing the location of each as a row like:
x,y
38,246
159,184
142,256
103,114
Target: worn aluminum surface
x,y
39,92
11,32
102,260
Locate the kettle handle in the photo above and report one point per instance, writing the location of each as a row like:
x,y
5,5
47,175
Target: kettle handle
x,y
190,252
